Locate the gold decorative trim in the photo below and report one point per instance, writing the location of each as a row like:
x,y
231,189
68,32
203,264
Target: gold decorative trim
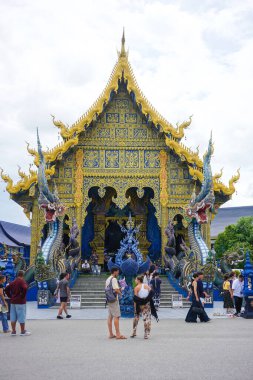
x,y
120,175
122,70
79,178
26,181
218,186
184,152
163,178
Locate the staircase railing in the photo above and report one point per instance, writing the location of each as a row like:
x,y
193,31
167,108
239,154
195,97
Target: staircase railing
x,y
175,283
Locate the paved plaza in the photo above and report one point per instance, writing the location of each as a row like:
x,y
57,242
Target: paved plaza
x,y
164,313
79,349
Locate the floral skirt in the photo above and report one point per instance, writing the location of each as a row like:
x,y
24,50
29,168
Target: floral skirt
x,y
228,302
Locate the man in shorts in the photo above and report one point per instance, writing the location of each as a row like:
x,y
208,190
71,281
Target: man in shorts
x,y
63,288
113,307
16,291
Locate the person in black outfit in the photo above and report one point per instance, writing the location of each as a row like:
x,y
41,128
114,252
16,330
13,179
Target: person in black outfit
x,y
156,286
196,309
201,293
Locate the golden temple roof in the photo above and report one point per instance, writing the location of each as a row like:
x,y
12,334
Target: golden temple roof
x,y
70,135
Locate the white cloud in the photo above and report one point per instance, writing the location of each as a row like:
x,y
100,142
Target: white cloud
x,y
189,57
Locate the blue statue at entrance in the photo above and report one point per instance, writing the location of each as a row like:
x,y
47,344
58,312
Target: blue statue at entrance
x,y
130,262
129,258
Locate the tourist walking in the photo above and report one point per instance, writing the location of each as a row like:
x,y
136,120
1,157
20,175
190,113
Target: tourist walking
x,y
94,262
155,283
16,291
201,292
196,309
112,291
143,304
237,289
228,295
64,290
3,306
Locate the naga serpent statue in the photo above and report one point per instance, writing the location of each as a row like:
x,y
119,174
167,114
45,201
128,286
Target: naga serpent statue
x,y
196,212
53,259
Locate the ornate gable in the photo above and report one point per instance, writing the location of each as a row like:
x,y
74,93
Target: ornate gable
x,y
120,115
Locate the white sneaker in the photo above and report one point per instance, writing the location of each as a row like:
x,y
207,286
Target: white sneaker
x,y
26,333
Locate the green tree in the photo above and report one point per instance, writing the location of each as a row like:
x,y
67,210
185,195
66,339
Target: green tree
x,y
235,236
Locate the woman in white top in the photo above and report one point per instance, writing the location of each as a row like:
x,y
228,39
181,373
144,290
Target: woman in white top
x,y
142,291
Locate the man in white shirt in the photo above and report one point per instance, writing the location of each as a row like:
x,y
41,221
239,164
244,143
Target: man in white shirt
x,y
237,289
113,307
86,266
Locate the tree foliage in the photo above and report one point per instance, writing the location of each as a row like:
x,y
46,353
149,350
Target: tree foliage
x,y
235,236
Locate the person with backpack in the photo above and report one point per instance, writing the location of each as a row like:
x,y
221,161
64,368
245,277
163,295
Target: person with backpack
x,y
112,291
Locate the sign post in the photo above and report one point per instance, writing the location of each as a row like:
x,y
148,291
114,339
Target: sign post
x,y
76,301
177,300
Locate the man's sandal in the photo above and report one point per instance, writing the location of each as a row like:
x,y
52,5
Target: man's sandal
x,y
121,337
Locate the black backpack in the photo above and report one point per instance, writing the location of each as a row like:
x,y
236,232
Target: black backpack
x,y
109,293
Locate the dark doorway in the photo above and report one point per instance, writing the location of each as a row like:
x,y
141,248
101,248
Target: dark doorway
x,y
113,236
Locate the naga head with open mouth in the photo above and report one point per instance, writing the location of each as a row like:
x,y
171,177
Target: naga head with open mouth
x,y
48,201
201,203
198,210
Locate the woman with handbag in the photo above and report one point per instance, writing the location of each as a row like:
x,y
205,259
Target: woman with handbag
x,y
196,309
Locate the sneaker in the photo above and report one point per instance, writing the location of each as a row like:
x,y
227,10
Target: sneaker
x,y
13,333
25,333
59,317
68,316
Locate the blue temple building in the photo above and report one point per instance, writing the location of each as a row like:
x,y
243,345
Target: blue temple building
x,y
14,237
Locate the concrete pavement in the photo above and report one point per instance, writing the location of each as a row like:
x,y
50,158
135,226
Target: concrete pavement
x,y
80,349
164,313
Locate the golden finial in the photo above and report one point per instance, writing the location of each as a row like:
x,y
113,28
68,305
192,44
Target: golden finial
x,y
217,176
123,52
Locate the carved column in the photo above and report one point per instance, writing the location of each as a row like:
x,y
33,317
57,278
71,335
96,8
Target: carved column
x,y
164,198
98,242
35,232
78,197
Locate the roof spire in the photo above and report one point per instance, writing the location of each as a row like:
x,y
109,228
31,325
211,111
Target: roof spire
x,y
123,52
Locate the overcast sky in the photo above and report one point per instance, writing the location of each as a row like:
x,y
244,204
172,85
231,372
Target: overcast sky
x,y
189,57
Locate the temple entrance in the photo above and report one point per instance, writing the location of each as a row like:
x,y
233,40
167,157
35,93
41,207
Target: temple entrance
x,y
113,235
102,232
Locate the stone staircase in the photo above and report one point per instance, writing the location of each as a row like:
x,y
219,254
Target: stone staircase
x,y
91,288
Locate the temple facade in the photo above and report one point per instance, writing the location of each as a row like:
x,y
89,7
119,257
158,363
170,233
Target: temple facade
x,y
120,157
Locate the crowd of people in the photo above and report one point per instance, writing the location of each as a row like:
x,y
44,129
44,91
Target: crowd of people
x,y
147,292
232,297
233,293
146,301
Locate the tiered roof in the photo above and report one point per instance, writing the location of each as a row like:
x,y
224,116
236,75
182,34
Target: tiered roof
x,y
173,135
